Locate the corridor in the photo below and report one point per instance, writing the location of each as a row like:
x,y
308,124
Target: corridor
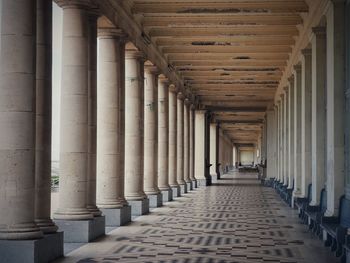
x,y
235,220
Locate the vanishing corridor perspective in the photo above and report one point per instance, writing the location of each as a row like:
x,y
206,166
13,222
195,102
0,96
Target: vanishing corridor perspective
x,y
175,131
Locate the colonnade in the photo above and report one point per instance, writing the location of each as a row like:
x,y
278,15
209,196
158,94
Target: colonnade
x,y
305,138
130,138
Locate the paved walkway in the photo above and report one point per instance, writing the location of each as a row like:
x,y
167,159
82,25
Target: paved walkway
x,y
235,220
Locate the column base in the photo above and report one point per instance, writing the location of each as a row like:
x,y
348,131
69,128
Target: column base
x,y
82,231
202,182
214,178
183,189
117,216
194,184
167,195
189,186
46,249
155,200
176,191
139,207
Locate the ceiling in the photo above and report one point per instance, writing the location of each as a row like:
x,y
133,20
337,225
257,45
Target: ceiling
x,y
230,53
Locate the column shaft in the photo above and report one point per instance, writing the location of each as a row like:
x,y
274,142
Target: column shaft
x,y
200,147
286,138
306,102
134,71
290,149
180,143
74,116
213,151
43,117
172,137
318,112
17,130
110,183
192,139
187,143
297,131
151,131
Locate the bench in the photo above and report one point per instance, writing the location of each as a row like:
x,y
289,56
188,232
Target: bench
x,y
336,228
301,203
315,213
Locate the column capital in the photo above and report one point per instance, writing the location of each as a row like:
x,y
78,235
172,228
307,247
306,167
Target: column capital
x,y
319,31
180,96
200,111
85,4
187,102
111,32
132,52
297,68
151,69
291,80
306,52
173,88
163,79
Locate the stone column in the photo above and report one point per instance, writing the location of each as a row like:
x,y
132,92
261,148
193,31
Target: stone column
x,y
92,114
297,132
72,214
290,144
306,101
172,141
187,144
200,148
278,158
318,128
282,138
163,100
213,174
134,130
43,117
286,138
271,144
192,139
180,144
335,94
17,112
151,137
110,175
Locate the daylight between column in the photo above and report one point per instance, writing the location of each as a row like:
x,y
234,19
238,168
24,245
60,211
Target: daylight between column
x,y
318,112
172,141
180,144
92,115
306,102
43,110
187,105
110,172
151,136
134,89
163,124
72,215
192,139
297,132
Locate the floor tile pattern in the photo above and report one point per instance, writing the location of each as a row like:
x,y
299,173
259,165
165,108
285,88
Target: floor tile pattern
x,y
235,220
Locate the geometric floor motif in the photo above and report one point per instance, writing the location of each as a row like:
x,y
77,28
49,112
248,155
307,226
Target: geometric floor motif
x,y
235,220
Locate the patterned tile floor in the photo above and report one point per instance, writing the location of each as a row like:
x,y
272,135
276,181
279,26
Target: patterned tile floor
x,y
235,220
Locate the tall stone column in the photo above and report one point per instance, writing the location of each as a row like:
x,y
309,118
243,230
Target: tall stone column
x,y
172,167
271,144
187,179
180,144
200,148
335,94
43,117
286,138
72,215
192,139
110,173
297,132
278,157
163,124
92,114
17,112
213,161
134,130
282,139
290,146
318,127
151,137
306,102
